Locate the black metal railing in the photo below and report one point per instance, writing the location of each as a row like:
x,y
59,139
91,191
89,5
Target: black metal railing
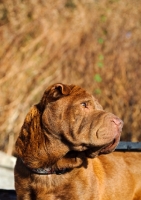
x,y
129,146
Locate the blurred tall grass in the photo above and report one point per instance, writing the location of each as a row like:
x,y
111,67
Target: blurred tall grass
x,y
95,44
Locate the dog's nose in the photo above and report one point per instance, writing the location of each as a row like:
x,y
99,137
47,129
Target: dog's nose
x,y
118,122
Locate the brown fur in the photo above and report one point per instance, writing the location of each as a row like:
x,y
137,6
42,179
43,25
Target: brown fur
x,y
68,129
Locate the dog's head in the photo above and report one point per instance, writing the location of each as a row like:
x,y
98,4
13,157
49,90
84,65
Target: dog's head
x,y
68,122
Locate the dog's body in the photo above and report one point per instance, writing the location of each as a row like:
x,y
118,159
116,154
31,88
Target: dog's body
x,y
60,151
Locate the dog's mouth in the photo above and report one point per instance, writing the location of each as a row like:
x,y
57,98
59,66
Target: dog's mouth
x,y
108,148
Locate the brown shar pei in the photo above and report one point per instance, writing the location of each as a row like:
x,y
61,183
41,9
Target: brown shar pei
x,y
63,151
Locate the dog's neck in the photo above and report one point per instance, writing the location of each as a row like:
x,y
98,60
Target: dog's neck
x,y
68,162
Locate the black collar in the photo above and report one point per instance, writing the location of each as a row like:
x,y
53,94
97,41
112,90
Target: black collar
x,y
46,170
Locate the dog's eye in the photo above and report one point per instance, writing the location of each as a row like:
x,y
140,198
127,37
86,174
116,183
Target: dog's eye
x,y
84,104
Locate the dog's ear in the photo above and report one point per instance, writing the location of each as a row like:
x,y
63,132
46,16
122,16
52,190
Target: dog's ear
x,y
53,93
34,146
29,145
58,90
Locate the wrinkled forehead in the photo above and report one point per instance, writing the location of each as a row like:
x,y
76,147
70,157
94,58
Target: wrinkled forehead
x,y
80,93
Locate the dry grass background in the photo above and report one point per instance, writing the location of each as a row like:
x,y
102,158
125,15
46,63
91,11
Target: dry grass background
x,y
93,43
